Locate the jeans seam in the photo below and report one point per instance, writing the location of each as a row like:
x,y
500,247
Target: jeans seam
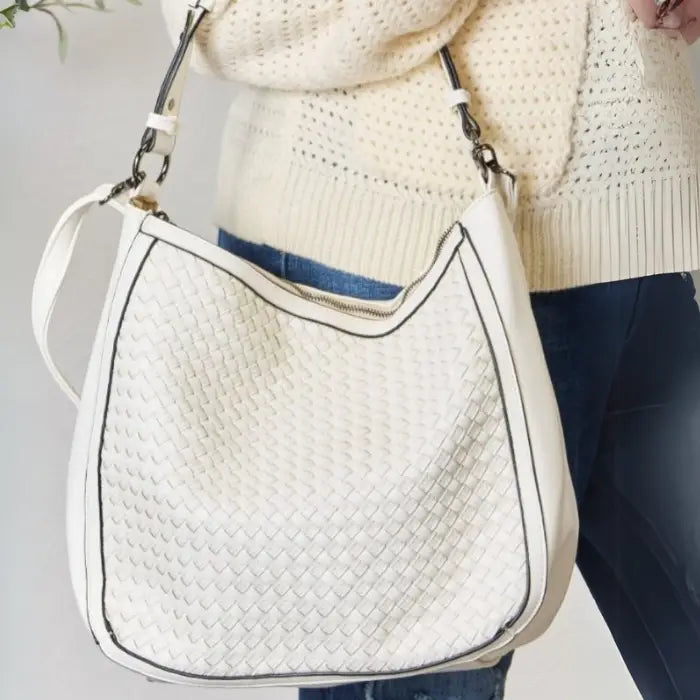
x,y
635,312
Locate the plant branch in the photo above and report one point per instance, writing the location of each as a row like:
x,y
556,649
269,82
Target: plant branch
x,y
62,37
8,16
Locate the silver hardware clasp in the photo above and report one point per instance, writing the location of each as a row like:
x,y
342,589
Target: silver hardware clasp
x,y
483,154
194,16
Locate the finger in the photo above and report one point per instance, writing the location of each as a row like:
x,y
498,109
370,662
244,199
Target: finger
x,y
691,31
673,20
645,11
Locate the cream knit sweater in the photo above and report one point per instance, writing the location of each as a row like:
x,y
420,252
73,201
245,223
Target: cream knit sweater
x,y
340,145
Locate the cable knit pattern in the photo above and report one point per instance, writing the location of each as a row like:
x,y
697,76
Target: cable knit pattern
x,y
354,159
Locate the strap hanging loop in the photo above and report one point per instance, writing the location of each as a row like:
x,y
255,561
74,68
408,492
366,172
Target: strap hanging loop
x,y
458,97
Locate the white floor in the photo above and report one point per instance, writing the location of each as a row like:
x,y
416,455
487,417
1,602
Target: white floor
x,y
63,129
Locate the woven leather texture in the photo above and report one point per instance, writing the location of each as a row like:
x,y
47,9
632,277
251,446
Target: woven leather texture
x,y
282,497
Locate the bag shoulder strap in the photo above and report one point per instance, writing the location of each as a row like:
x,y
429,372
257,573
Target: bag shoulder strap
x,y
52,271
483,154
162,123
159,136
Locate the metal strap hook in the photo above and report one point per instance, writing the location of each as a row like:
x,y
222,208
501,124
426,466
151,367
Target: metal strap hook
x,y
194,16
484,154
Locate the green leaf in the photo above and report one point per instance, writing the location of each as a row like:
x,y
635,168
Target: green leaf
x,y
7,17
23,5
62,36
71,5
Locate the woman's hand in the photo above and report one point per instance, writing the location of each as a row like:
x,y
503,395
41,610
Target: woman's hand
x,y
684,21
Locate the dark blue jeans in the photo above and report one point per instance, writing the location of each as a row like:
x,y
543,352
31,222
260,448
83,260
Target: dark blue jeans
x,y
624,358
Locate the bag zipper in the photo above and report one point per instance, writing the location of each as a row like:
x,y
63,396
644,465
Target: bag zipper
x,y
324,299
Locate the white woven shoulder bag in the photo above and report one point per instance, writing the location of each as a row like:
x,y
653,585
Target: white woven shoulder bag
x,y
272,485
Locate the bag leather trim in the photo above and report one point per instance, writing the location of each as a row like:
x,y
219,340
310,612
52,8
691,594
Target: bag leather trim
x,y
262,296
517,377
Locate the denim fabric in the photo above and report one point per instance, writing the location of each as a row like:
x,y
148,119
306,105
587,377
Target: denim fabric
x,y
304,271
624,358
482,684
625,362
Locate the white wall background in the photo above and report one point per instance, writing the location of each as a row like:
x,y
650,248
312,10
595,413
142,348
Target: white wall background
x,y
64,129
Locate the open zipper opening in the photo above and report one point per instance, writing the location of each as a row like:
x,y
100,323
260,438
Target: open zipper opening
x,y
377,309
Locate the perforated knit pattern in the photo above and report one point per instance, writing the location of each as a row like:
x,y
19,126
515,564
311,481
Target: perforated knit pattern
x,y
650,75
297,44
597,115
630,188
417,147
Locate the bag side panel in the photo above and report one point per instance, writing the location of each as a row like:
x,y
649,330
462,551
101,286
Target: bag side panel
x,y
88,417
499,258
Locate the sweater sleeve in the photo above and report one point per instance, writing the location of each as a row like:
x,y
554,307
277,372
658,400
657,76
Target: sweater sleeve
x,y
317,44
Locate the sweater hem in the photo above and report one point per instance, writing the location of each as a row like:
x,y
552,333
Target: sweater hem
x,y
639,228
645,227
